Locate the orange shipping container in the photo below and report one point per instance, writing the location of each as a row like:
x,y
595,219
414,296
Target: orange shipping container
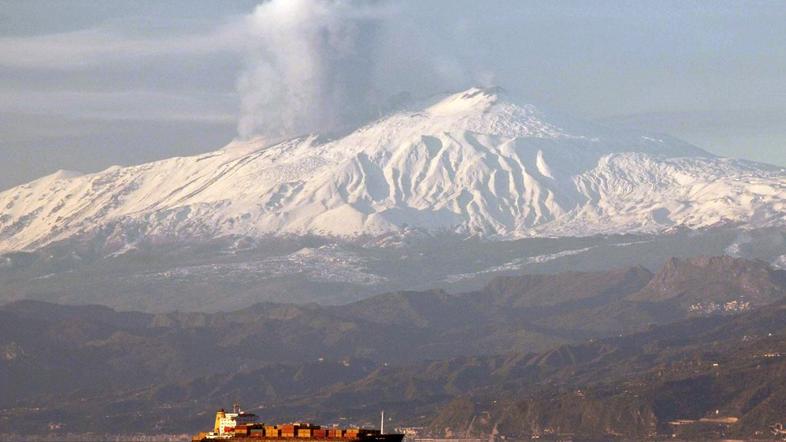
x,y
288,430
241,430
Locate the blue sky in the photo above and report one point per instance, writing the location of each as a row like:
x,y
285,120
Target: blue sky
x,y
88,84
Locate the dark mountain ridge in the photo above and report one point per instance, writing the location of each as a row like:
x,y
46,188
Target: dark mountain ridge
x,y
424,356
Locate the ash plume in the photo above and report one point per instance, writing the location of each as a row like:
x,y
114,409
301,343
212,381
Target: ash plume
x,y
317,66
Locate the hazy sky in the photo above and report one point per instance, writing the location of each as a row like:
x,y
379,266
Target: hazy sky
x,y
88,84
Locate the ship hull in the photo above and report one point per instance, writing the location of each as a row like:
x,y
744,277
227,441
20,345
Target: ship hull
x,y
368,438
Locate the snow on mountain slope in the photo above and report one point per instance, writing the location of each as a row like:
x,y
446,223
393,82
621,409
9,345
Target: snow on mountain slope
x,y
473,163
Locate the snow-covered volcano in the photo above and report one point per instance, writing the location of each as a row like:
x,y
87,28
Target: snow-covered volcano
x,y
471,163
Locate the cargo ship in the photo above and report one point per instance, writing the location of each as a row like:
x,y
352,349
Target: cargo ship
x,y
238,426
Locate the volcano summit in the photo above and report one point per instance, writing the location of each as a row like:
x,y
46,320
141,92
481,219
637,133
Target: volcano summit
x,y
472,163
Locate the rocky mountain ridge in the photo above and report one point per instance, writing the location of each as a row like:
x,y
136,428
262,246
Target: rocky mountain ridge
x,y
510,358
414,351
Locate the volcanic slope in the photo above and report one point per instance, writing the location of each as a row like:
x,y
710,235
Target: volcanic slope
x,y
473,163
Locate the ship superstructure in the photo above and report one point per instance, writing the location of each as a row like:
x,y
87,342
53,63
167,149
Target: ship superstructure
x,y
238,425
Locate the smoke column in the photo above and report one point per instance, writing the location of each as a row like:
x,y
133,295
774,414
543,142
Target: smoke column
x,y
322,66
310,66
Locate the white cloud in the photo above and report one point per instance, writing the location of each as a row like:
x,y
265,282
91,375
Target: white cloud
x,y
103,45
122,105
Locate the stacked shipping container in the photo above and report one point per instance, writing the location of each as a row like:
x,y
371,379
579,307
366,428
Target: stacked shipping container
x,y
293,431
